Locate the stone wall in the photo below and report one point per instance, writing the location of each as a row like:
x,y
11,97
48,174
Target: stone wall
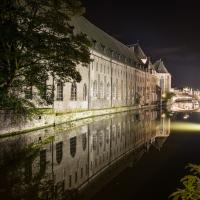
x,y
10,125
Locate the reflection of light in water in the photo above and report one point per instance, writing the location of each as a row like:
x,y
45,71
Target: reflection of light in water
x,y
186,116
163,115
183,126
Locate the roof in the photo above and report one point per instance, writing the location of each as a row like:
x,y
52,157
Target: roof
x,y
141,56
103,42
139,53
160,67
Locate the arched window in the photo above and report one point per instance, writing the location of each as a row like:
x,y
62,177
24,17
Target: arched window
x,y
73,146
104,88
84,92
108,90
84,141
94,143
59,152
122,90
129,91
74,91
95,88
99,95
117,89
59,91
114,91
101,90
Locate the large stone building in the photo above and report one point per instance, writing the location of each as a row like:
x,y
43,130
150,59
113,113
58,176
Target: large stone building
x,y
117,76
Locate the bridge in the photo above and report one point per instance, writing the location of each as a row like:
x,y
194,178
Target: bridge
x,y
184,102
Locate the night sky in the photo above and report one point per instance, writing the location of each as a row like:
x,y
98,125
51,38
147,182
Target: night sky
x,y
168,29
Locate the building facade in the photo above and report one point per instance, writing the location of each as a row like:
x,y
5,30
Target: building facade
x,y
117,76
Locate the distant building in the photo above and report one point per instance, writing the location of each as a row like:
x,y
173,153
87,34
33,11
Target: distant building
x,y
164,77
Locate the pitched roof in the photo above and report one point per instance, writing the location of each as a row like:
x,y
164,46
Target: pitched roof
x,y
82,25
139,53
160,67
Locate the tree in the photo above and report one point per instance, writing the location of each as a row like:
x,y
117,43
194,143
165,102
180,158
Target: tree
x,y
37,41
191,185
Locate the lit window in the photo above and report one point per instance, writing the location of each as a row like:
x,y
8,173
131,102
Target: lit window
x,y
74,91
59,91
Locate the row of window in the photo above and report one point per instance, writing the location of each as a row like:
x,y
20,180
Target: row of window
x,y
100,89
73,93
73,143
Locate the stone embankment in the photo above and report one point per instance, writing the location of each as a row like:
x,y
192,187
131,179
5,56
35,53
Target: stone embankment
x,y
11,126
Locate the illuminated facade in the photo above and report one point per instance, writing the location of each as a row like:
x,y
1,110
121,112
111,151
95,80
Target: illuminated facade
x,y
117,76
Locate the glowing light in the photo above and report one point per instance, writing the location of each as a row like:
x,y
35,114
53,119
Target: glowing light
x,y
163,115
144,60
184,126
186,116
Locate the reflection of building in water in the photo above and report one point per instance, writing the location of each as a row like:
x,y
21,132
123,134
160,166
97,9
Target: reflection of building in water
x,y
79,155
163,131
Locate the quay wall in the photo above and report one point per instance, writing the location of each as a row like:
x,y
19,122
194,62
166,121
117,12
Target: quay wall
x,y
11,126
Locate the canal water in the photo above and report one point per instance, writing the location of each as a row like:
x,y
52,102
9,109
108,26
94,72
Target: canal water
x,y
138,155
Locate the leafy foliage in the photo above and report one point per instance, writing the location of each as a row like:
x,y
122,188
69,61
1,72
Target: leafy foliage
x,y
191,185
36,41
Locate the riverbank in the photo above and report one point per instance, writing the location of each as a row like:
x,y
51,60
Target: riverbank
x,y
11,126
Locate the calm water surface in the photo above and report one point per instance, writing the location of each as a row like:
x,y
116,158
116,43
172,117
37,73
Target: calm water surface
x,y
130,155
